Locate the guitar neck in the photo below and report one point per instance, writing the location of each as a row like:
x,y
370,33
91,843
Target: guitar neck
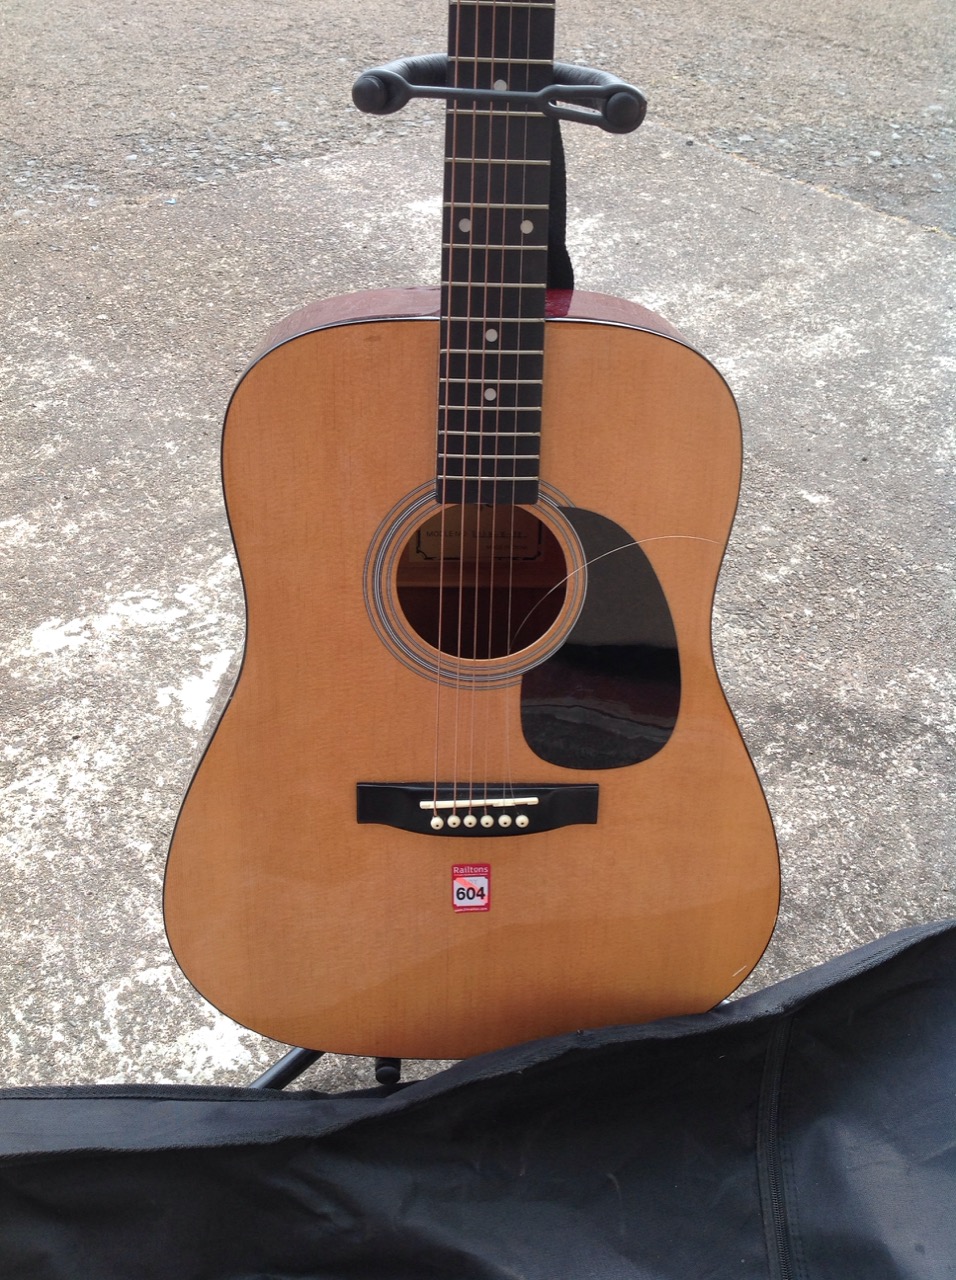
x,y
494,258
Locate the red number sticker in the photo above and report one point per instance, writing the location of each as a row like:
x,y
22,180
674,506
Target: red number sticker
x,y
471,887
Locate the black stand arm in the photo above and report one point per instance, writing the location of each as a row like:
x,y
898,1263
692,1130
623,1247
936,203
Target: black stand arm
x,y
603,99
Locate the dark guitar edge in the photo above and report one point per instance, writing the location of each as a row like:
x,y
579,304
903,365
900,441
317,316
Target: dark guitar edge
x,y
422,302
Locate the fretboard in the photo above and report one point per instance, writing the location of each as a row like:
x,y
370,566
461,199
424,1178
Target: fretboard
x,y
494,260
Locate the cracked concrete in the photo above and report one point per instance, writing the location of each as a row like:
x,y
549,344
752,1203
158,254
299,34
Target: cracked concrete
x,y
815,276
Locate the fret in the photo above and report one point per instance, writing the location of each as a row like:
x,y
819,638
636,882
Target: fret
x,y
471,353
505,59
448,478
483,204
498,284
458,445
523,464
498,457
468,428
491,367
487,490
483,443
494,408
496,183
489,318
517,470
527,47
491,350
472,244
507,107
498,133
490,160
488,408
492,272
492,304
473,398
479,288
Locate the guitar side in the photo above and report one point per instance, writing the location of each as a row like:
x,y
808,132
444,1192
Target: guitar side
x,y
311,928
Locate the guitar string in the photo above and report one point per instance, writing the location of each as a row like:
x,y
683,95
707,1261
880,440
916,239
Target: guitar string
x,y
531,125
481,411
492,411
532,131
466,691
469,415
449,180
506,238
513,129
465,410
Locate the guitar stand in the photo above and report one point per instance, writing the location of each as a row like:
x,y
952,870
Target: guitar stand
x,y
606,101
388,1071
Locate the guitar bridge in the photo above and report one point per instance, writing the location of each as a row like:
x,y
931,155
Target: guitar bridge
x,y
476,809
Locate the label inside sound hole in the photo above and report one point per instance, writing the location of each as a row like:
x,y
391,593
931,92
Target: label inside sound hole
x,y
471,887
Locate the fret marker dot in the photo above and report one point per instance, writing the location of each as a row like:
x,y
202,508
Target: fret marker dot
x,y
464,224
501,85
527,226
491,394
491,335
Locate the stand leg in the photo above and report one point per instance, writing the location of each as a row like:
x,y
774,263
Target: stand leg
x,y
287,1069
388,1070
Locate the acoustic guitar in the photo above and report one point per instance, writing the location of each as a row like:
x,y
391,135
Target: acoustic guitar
x,y
477,781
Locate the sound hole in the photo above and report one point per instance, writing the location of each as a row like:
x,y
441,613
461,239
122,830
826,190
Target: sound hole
x,y
482,581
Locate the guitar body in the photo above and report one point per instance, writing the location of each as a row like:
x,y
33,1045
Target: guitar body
x,y
316,928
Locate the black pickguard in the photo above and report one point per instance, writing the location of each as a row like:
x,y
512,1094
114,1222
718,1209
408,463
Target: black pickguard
x,y
609,697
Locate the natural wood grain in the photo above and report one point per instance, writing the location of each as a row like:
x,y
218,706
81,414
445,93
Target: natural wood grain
x,y
300,923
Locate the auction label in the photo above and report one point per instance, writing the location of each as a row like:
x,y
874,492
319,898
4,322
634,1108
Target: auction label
x,y
471,887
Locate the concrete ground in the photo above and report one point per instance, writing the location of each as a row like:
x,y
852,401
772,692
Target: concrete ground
x,y
178,176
